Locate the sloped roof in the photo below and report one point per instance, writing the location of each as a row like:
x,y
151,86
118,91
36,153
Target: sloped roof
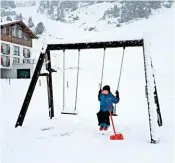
x,y
22,25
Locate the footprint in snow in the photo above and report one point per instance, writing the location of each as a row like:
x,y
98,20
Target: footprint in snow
x,y
46,129
62,134
65,134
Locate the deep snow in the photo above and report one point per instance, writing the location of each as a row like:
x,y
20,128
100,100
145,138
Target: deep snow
x,y
67,139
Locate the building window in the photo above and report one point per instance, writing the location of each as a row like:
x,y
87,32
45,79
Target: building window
x,y
5,30
26,53
16,50
14,31
16,60
26,37
5,61
5,49
17,31
20,34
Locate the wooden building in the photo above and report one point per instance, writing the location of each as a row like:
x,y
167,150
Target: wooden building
x,y
16,45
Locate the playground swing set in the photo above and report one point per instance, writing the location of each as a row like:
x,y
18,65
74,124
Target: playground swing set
x,y
74,112
45,55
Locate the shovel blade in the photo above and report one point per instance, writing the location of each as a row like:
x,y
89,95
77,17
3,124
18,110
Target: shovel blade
x,y
117,137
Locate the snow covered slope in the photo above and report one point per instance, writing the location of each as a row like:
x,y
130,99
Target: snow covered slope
x,y
68,139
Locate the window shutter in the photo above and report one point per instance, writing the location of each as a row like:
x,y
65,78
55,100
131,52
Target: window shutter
x,y
7,30
1,48
9,62
23,52
1,61
18,51
8,49
29,53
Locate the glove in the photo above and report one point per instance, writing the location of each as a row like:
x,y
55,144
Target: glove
x,y
117,94
99,93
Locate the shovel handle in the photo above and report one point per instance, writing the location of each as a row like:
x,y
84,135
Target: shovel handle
x,y
112,123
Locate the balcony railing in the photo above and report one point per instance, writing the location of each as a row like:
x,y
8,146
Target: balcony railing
x,y
29,61
5,61
26,61
16,40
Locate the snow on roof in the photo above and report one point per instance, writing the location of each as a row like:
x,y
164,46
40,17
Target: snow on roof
x,y
94,37
9,22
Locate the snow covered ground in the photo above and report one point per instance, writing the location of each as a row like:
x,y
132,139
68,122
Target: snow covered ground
x,y
67,139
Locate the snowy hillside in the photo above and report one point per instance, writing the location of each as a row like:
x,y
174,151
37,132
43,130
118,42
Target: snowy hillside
x,y
67,139
89,25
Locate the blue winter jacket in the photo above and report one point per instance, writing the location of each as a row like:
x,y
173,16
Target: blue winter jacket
x,y
106,102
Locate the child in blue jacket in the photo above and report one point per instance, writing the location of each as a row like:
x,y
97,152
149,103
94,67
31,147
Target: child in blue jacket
x,y
106,99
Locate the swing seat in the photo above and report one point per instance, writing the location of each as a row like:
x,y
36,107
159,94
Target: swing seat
x,y
69,113
74,112
117,137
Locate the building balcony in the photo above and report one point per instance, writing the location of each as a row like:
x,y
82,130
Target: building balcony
x,y
25,61
29,61
7,62
16,40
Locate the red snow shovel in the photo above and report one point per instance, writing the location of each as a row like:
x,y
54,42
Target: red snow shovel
x,y
116,136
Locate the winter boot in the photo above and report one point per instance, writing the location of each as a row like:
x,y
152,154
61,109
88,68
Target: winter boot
x,y
105,128
101,128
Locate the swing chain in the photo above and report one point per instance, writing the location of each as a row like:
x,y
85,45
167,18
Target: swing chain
x,y
104,54
63,79
114,112
121,68
77,83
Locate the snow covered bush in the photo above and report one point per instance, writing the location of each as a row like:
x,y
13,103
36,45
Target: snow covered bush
x,y
112,12
19,17
7,4
9,18
30,23
56,10
126,11
39,28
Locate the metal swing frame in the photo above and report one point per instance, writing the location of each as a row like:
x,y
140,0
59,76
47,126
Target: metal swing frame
x,y
45,55
77,84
